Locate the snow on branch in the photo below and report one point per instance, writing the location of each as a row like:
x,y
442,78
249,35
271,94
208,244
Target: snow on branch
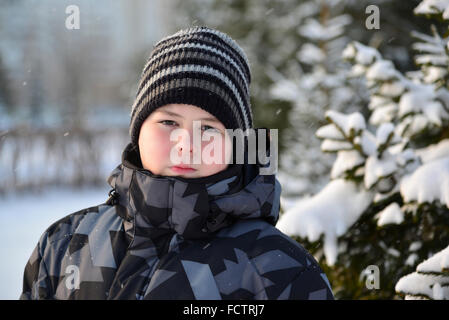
x,y
433,7
430,281
330,212
413,105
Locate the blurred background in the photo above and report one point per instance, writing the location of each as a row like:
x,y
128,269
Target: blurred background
x,y
65,95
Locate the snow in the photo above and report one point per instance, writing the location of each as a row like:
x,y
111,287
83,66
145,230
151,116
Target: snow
x,y
311,54
381,70
433,74
442,95
393,89
434,151
438,292
346,160
433,7
349,52
428,183
376,169
342,95
435,112
350,124
329,131
361,54
431,59
429,280
335,145
419,123
383,133
356,122
393,252
422,100
411,260
411,125
286,90
287,203
421,284
367,142
415,246
403,157
390,215
24,217
430,47
330,212
357,70
314,30
408,297
435,264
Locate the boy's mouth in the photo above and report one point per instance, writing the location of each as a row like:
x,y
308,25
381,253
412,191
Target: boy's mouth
x,y
182,169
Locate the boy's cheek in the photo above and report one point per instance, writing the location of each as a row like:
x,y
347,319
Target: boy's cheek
x,y
156,143
158,137
162,146
225,148
216,160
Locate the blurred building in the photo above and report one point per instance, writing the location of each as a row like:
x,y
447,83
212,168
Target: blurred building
x,y
55,74
66,95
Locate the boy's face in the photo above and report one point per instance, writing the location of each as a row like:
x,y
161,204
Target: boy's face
x,y
160,155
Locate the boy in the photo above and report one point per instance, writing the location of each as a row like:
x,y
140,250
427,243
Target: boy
x,y
180,230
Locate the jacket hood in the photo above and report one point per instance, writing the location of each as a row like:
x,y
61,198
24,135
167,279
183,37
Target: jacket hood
x,y
194,208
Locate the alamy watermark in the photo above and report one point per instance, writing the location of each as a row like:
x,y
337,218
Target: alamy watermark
x,y
73,20
256,147
373,20
72,281
372,274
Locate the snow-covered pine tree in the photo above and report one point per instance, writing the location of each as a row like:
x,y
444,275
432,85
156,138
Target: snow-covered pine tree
x,y
431,279
319,82
315,83
388,199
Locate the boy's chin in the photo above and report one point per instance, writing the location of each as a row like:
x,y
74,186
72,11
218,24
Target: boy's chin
x,y
176,173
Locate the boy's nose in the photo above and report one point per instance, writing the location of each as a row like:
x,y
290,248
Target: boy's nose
x,y
183,147
186,141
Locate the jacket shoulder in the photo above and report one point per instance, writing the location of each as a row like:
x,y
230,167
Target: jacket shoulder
x,y
43,269
289,269
64,228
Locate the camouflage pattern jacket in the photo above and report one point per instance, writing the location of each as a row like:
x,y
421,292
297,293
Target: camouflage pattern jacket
x,y
159,237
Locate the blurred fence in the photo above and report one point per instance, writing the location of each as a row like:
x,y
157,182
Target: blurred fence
x,y
31,159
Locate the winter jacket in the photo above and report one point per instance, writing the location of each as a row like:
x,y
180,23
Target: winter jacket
x,y
160,237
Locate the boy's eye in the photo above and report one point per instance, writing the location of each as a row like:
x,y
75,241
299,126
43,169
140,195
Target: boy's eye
x,y
206,127
167,122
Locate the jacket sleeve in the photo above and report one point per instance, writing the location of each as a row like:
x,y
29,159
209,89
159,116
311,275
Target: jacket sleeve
x,y
288,271
311,284
36,282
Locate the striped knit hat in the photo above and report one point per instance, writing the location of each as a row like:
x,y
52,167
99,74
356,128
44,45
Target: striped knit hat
x,y
198,66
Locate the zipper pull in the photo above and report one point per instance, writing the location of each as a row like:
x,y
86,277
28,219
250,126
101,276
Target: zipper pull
x,y
113,197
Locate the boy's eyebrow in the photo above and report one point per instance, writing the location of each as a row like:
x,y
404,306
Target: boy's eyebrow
x,y
170,113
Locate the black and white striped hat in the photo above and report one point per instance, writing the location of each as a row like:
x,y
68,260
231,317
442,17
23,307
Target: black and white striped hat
x,y
198,66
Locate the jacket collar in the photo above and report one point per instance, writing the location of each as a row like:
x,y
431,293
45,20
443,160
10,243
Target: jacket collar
x,y
194,208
